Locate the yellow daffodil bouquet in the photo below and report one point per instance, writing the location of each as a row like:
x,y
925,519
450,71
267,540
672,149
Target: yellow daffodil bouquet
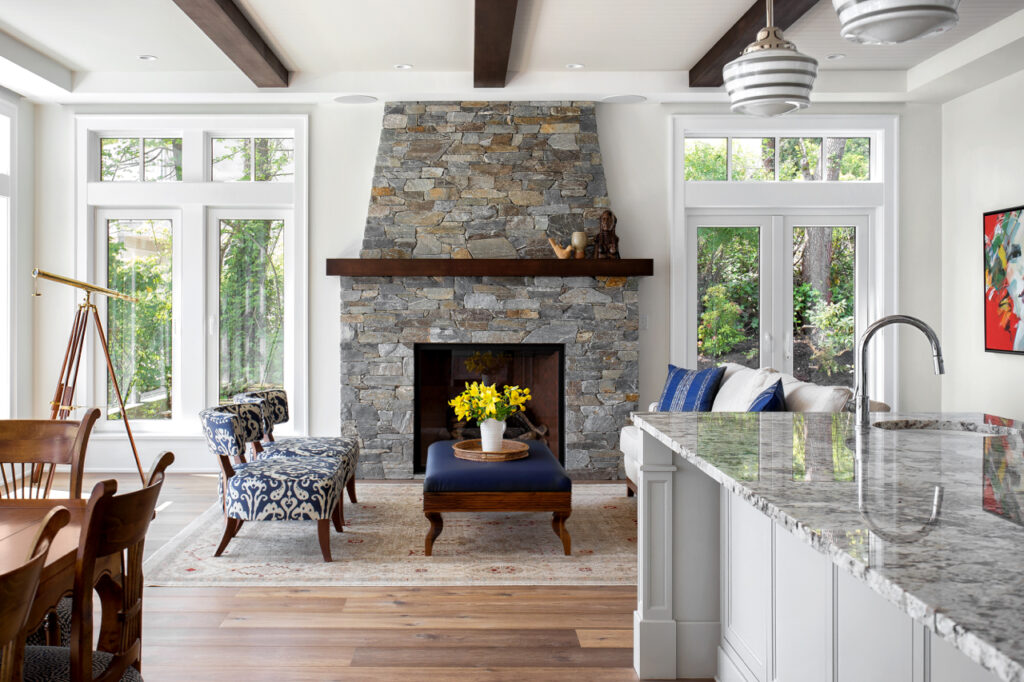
x,y
479,402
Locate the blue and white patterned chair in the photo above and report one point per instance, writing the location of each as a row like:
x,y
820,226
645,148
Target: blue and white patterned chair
x,y
273,489
274,404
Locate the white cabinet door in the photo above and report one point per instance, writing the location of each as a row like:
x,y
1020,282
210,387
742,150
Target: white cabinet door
x,y
803,611
876,639
746,583
949,665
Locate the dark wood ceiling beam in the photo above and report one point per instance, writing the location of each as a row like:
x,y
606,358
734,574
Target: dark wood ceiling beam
x,y
232,32
494,22
707,72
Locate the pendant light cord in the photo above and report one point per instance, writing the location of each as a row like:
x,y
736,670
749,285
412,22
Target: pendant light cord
x,y
769,10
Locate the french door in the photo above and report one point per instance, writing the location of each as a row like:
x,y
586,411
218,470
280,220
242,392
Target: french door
x,y
782,291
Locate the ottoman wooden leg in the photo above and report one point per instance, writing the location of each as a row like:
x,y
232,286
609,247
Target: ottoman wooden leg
x,y
351,485
558,525
230,529
338,515
436,526
323,531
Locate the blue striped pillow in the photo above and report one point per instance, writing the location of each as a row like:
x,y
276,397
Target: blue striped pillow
x,y
771,399
690,390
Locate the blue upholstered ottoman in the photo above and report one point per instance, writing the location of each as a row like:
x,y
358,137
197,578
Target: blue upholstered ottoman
x,y
535,483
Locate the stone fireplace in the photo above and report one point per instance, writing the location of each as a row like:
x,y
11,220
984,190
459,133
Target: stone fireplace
x,y
485,180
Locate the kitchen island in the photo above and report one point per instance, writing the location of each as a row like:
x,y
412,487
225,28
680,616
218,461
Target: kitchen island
x,y
786,546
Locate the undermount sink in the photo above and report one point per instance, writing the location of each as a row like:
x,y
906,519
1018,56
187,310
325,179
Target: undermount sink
x,y
947,427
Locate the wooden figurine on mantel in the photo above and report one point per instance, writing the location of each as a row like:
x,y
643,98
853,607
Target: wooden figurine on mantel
x,y
606,245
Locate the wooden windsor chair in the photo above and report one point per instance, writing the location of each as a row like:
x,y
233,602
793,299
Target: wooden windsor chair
x,y
31,449
114,525
18,589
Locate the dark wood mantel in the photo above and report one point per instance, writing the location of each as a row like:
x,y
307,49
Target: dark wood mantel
x,y
489,267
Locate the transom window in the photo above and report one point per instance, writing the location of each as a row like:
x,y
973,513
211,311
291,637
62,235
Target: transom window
x,y
215,257
784,159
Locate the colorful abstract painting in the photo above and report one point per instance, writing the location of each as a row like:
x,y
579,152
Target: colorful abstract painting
x,y
1004,280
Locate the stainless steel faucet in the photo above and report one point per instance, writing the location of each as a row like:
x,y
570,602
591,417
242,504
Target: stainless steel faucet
x,y
861,395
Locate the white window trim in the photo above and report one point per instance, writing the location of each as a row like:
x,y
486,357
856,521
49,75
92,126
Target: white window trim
x,y
9,248
876,199
197,199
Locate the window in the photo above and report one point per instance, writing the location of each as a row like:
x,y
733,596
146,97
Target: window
x,y
130,159
251,291
796,159
216,265
263,159
139,265
784,242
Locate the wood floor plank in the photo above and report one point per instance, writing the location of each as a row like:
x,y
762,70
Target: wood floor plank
x,y
489,657
246,657
467,620
436,639
593,639
417,674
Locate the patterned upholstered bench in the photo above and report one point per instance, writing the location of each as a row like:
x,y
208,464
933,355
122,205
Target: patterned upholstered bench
x,y
536,483
274,403
274,489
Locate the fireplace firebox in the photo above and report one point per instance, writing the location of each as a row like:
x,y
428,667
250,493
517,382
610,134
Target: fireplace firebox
x,y
443,369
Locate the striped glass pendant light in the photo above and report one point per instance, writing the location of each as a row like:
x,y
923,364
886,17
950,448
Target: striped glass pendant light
x,y
886,22
771,77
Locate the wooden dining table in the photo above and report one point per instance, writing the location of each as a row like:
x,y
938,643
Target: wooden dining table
x,y
19,522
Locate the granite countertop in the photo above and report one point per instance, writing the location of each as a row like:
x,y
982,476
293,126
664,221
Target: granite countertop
x,y
960,574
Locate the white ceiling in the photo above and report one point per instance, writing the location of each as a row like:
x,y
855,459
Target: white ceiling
x,y
339,45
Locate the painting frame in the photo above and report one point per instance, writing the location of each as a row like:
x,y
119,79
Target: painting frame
x,y
1003,280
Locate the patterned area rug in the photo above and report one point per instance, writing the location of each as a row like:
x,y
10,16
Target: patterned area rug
x,y
383,545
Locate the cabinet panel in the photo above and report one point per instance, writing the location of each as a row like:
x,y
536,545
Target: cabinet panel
x,y
746,594
803,611
875,638
949,665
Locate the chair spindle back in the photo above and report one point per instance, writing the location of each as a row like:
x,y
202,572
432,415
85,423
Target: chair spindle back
x,y
31,449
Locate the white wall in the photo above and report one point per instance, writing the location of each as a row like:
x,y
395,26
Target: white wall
x,y
636,148
982,151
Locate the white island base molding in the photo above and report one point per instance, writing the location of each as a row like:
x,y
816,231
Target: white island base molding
x,y
727,593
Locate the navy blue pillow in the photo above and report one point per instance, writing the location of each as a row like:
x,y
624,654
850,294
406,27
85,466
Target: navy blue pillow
x,y
690,390
771,399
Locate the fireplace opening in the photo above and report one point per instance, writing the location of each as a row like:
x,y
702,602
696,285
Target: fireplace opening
x,y
442,371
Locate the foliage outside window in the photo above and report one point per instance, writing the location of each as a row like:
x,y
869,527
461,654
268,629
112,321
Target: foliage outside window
x,y
728,292
251,306
263,159
799,159
132,159
139,334
824,273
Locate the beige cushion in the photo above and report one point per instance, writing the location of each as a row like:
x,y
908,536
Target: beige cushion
x,y
740,385
630,441
802,396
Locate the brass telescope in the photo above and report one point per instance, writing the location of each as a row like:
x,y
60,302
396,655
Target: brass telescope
x,y
84,286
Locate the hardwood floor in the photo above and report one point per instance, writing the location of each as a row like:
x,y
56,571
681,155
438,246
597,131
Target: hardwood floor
x,y
374,634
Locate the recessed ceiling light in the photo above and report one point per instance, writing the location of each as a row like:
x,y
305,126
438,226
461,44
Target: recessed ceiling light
x,y
574,67
403,67
624,99
355,99
835,56
148,57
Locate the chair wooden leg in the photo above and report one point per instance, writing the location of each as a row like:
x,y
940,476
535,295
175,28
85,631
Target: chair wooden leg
x,y
629,492
230,530
436,526
558,520
338,515
630,487
351,485
323,531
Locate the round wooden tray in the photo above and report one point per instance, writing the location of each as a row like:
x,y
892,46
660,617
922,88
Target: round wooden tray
x,y
511,449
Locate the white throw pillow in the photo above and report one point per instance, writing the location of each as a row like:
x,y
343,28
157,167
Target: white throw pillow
x,y
802,396
740,385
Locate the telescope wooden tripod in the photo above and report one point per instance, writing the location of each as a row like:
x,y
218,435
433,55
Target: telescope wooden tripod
x,y
62,403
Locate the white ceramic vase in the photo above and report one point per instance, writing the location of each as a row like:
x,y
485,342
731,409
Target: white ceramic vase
x,y
491,431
